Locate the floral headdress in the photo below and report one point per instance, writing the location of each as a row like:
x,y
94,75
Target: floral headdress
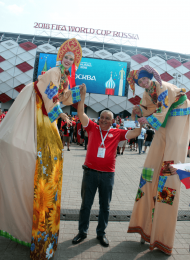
x,y
71,45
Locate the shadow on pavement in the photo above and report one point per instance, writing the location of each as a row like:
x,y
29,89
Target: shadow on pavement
x,y
88,249
132,250
66,250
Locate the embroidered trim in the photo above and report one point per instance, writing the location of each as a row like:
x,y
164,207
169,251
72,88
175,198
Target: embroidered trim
x,y
140,231
7,235
147,174
54,113
167,250
180,112
75,95
154,122
159,245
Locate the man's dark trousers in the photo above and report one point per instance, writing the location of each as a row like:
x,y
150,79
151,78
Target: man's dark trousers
x,y
92,180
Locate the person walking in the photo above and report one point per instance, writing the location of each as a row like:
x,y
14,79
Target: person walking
x,y
122,144
148,137
141,139
67,129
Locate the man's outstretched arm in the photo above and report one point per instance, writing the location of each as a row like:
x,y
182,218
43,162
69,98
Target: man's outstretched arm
x,y
134,133
80,109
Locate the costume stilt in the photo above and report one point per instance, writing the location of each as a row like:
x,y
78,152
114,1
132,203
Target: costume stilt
x,y
167,109
31,159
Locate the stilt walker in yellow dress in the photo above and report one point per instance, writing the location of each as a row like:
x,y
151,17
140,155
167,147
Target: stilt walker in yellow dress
x,y
31,157
166,108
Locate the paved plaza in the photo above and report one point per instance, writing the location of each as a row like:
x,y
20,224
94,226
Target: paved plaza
x,y
122,245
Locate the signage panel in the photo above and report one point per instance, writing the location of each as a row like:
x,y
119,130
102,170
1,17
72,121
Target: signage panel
x,y
100,76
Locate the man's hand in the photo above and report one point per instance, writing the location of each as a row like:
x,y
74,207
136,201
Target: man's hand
x,y
134,133
143,120
82,91
136,110
172,170
65,118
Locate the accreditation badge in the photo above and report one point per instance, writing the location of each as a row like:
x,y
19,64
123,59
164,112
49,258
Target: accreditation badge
x,y
101,152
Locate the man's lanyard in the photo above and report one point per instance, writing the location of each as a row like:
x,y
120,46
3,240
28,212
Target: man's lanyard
x,y
103,139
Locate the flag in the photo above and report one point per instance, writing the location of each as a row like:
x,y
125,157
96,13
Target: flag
x,y
184,178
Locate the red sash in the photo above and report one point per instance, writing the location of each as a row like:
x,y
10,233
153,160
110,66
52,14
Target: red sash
x,y
39,94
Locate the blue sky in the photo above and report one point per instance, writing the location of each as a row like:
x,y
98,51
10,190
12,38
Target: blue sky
x,y
162,24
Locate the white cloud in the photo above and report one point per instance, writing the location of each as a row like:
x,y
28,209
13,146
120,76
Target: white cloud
x,y
1,3
15,9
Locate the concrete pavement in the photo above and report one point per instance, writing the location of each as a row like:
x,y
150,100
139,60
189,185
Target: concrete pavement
x,y
122,245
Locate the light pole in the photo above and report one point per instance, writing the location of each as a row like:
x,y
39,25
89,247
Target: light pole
x,y
176,77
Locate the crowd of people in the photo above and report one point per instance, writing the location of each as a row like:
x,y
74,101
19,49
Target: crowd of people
x,y
69,134
2,115
33,146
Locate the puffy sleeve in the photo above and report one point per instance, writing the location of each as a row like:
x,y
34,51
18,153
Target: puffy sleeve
x,y
167,95
48,87
147,107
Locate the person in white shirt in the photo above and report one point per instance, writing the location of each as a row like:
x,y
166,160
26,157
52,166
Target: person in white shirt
x,y
122,144
141,139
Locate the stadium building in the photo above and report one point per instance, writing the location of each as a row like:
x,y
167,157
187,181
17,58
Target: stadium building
x,y
19,60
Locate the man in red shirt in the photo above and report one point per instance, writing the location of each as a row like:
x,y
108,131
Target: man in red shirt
x,y
99,168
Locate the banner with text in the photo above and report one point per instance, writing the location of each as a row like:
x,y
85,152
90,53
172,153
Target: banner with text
x,y
100,76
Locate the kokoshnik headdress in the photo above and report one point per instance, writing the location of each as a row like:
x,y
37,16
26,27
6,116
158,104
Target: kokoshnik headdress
x,y
71,45
145,71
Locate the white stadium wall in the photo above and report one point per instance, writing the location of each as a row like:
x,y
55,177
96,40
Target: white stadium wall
x,y
17,67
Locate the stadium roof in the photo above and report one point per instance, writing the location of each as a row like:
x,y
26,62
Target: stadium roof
x,y
95,46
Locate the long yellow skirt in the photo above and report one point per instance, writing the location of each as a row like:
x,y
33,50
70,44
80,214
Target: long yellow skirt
x,y
47,187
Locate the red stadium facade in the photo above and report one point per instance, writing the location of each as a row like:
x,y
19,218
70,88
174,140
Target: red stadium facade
x,y
18,55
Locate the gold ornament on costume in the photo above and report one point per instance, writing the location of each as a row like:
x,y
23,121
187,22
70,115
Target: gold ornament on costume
x,y
183,90
71,45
